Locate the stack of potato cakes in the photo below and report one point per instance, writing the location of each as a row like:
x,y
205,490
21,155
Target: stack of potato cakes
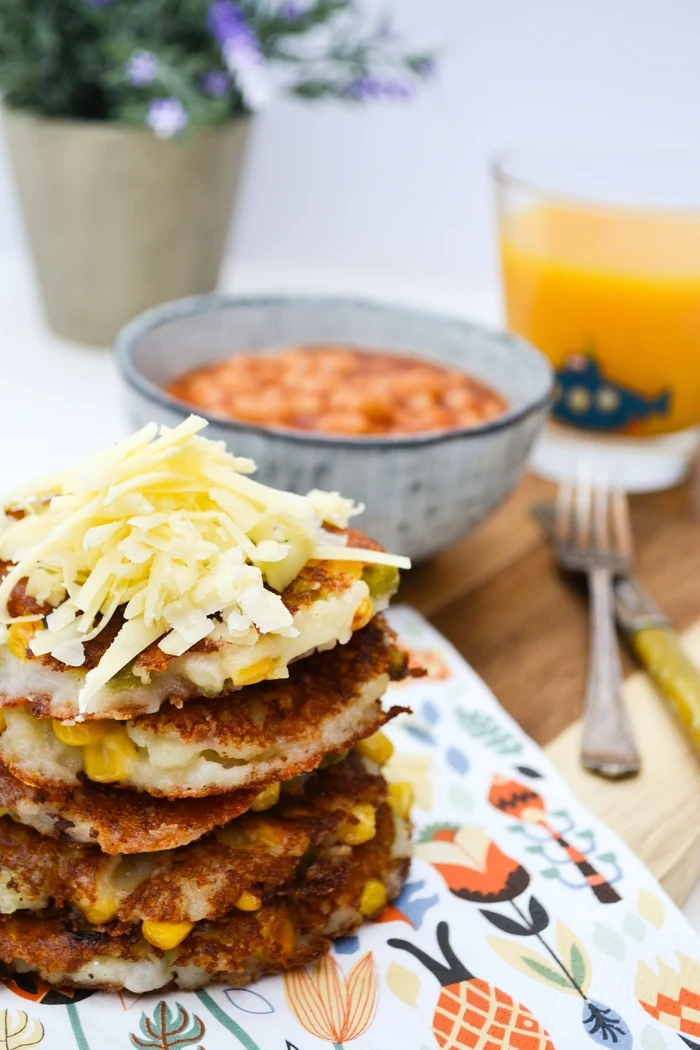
x,y
190,739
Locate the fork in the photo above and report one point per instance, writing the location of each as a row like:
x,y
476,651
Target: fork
x,y
592,534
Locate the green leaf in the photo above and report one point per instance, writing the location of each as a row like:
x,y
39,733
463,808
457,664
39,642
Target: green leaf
x,y
534,849
488,729
577,966
166,1029
69,57
573,951
462,797
550,873
607,858
547,972
427,834
633,926
609,941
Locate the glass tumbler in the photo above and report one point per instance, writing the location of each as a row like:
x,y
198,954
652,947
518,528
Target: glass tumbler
x,y
600,261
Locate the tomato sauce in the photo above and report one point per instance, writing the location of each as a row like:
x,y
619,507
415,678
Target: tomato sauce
x,y
339,390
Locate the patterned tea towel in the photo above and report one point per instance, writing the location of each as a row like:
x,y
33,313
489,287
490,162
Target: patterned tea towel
x,y
525,922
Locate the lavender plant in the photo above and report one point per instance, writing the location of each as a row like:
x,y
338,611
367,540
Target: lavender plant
x,y
177,63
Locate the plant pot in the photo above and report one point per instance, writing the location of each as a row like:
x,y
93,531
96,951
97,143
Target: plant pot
x,y
119,220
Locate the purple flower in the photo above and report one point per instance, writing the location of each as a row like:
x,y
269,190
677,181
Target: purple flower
x,y
227,22
241,51
166,117
141,68
366,87
216,82
397,89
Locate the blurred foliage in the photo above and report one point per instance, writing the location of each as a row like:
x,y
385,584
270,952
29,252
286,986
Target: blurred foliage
x,y
73,58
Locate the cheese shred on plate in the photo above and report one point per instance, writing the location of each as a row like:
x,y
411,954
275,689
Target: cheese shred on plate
x,y
170,529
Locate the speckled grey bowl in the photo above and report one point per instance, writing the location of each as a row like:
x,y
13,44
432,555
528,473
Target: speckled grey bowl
x,y
422,492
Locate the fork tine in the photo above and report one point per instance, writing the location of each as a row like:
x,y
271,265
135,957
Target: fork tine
x,y
583,493
601,514
563,508
622,528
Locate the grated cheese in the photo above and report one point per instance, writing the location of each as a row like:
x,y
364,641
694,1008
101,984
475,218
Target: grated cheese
x,y
169,528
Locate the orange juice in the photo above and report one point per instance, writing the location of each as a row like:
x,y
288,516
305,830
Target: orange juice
x,y
613,299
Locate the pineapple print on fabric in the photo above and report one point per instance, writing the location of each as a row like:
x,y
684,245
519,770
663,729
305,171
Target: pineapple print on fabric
x,y
672,997
471,1014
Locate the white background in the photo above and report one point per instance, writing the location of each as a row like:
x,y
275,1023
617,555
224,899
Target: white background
x,y
400,190
392,199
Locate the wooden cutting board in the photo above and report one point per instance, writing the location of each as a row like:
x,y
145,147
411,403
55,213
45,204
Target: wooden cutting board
x,y
524,628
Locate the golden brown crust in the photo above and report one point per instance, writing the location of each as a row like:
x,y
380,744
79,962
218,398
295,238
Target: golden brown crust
x,y
262,853
239,949
295,924
277,729
20,603
389,659
290,708
120,821
26,868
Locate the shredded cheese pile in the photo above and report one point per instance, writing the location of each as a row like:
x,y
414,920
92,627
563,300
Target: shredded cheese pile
x,y
169,528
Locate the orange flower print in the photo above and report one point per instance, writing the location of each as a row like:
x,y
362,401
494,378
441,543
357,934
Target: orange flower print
x,y
329,1005
672,996
473,866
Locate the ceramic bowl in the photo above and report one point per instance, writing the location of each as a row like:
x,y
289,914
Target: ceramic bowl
x,y
422,492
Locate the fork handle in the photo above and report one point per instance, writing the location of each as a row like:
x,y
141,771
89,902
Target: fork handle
x,y
608,745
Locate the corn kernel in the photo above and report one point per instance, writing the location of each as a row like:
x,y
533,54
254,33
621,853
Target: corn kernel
x,y
165,935
277,932
362,829
373,897
110,759
267,798
3,811
377,748
265,836
363,614
256,672
19,635
248,902
401,798
350,568
3,723
233,836
81,733
286,936
101,911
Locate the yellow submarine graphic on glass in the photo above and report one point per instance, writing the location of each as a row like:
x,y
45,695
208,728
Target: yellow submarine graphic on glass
x,y
585,397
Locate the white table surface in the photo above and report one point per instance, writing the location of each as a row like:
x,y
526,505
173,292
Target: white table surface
x,y
60,401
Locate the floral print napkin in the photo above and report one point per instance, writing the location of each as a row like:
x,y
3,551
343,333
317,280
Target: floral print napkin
x,y
525,923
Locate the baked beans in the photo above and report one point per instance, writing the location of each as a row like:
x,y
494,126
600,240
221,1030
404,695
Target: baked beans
x,y
339,390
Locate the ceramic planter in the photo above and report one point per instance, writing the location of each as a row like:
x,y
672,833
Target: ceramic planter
x,y
119,220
